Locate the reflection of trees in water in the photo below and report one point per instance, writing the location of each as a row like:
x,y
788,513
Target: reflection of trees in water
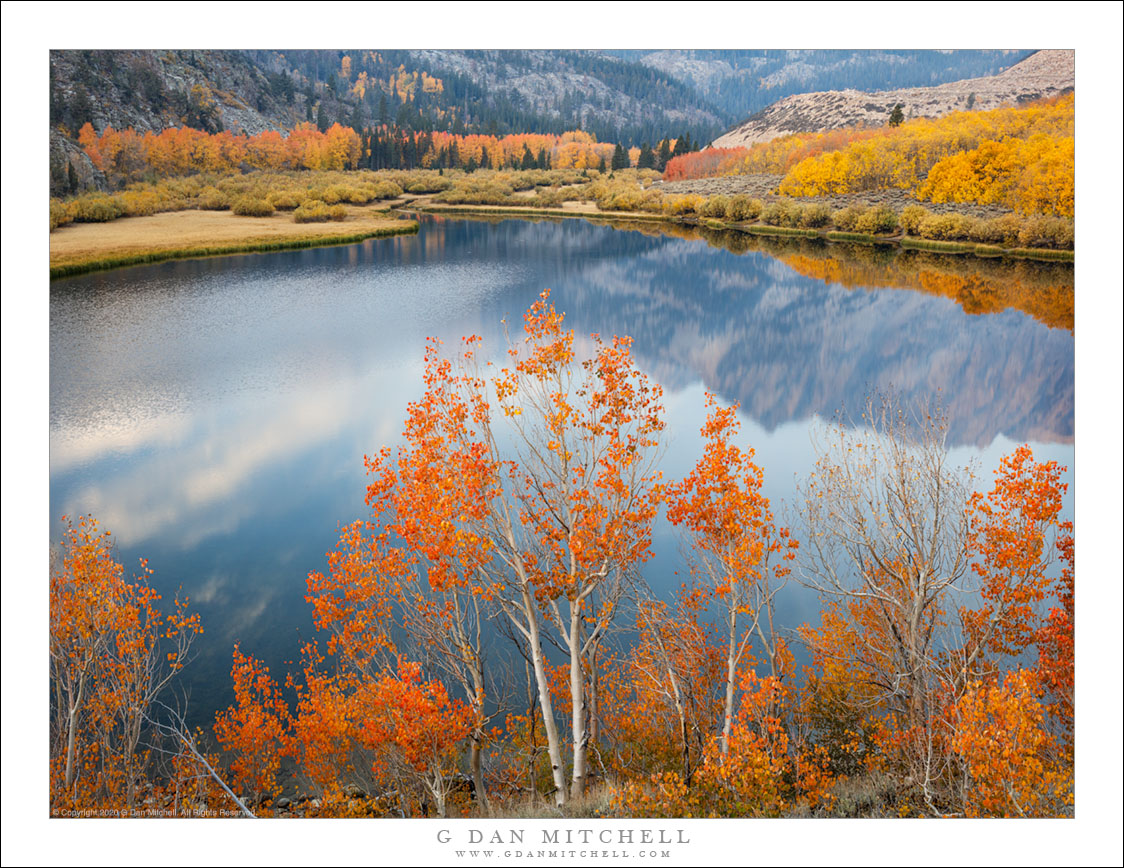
x,y
540,239
783,328
763,328
766,331
979,285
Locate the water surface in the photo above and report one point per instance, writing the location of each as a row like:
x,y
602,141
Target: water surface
x,y
214,413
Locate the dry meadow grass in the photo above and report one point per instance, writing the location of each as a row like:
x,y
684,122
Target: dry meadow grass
x,y
80,246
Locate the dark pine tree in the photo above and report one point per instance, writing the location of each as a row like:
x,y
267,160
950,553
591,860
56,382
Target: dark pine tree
x,y
81,109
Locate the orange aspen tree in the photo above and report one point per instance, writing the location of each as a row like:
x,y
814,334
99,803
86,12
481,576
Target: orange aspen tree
x,y
547,515
413,728
254,729
675,663
1012,764
372,585
738,551
112,652
1009,757
1055,642
1013,534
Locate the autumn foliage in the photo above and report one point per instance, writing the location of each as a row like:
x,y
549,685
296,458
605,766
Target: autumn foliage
x,y
1021,158
112,654
983,287
518,505
255,727
128,155
550,534
761,766
547,539
1013,765
394,733
928,652
739,553
661,700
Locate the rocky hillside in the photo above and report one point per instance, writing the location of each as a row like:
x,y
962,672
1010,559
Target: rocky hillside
x,y
630,97
627,96
743,81
477,91
614,98
1043,74
153,90
490,92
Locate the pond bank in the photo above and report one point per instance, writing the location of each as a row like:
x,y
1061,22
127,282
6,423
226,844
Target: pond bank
x,y
84,247
80,248
898,239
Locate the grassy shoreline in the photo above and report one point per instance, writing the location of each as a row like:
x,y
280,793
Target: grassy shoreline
x,y
239,236
757,228
519,211
210,215
86,248
985,250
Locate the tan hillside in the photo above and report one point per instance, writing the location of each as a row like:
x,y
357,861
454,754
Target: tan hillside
x,y
1043,74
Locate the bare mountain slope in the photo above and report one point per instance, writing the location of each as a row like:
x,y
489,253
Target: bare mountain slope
x,y
1043,74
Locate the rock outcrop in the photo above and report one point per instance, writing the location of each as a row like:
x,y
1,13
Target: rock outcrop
x,y
1043,74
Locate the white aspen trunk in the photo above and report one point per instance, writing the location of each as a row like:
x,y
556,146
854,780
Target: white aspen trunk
x,y
577,699
475,760
437,790
72,726
475,764
681,712
594,725
917,700
554,750
731,664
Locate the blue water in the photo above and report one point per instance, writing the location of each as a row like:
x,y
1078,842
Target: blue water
x,y
214,414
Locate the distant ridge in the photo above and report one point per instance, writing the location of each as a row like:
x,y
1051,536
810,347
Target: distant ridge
x,y
1043,74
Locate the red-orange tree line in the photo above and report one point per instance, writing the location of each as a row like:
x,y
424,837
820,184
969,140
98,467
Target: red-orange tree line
x,y
524,492
128,155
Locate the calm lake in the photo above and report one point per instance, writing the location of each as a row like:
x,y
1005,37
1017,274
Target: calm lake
x,y
214,414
